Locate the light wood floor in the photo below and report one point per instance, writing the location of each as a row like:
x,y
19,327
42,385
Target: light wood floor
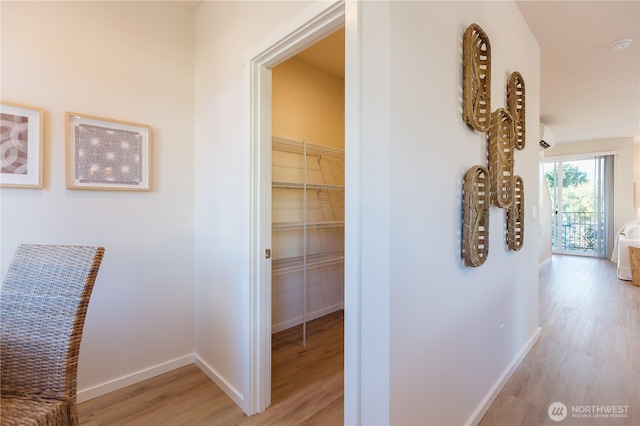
x,y
307,388
588,353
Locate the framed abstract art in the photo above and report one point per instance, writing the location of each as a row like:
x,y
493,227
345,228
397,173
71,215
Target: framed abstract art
x,y
21,146
107,154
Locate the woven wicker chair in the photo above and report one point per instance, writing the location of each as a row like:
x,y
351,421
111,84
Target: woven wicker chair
x,y
44,302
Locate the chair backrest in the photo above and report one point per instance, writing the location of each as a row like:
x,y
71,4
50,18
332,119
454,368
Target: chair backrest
x,y
44,301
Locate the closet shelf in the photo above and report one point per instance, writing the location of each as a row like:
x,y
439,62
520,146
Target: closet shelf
x,y
293,264
312,177
294,185
297,147
291,226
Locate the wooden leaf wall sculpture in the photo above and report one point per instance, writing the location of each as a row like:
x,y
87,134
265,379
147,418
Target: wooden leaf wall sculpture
x,y
515,217
516,107
506,132
476,66
475,227
501,158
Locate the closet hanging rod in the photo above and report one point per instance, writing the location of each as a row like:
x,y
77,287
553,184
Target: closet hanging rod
x,y
290,226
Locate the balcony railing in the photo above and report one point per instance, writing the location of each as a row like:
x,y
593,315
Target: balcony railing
x,y
579,232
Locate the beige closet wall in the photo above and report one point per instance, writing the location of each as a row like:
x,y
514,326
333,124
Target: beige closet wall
x,y
308,103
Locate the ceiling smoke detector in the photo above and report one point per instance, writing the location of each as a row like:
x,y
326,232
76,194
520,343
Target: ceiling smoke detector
x,y
620,44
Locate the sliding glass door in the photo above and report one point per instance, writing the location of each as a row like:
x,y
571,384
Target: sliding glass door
x,y
582,205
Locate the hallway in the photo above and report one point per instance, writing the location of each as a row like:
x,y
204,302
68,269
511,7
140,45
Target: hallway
x,y
588,354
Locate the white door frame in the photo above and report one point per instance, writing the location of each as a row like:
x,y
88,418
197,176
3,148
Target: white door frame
x,y
321,19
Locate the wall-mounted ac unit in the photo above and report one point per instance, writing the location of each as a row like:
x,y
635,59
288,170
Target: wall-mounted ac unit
x,y
547,139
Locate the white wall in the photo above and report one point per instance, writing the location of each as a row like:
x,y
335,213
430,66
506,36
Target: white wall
x,y
373,229
623,174
445,351
131,61
430,352
224,33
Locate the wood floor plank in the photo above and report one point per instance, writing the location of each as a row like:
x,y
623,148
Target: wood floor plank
x,y
307,388
588,354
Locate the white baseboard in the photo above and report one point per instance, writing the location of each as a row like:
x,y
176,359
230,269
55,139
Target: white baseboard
x,y
310,317
139,376
130,379
231,391
497,387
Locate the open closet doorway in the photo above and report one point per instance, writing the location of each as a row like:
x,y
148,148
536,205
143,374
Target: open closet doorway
x,y
307,224
321,20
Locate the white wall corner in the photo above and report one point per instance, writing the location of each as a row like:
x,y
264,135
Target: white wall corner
x,y
223,384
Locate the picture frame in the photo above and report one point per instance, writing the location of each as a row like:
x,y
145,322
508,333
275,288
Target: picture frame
x,y
107,154
21,146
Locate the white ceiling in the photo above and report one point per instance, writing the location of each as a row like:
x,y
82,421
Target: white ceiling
x,y
588,91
